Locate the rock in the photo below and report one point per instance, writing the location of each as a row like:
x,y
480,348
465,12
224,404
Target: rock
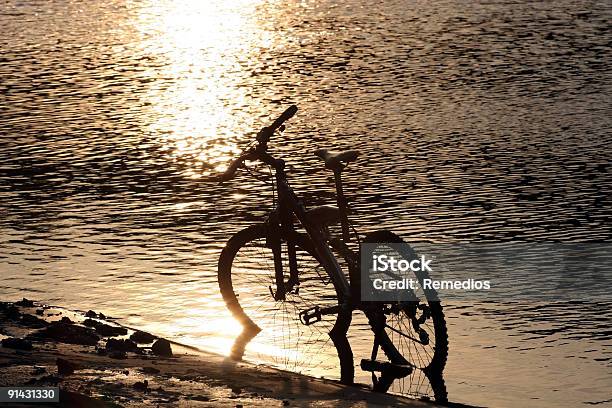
x,y
16,343
66,320
91,313
162,348
25,303
285,403
101,316
12,313
121,345
40,312
33,321
89,323
142,337
65,367
104,329
141,386
74,399
68,333
150,370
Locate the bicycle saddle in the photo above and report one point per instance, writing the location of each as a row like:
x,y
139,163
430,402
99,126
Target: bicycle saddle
x,y
334,160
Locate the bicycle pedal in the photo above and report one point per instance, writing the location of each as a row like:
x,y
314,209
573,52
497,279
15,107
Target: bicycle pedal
x,y
387,368
307,316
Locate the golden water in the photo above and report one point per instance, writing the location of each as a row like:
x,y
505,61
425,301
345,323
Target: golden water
x,y
476,120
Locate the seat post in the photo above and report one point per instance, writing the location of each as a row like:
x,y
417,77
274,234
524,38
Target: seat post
x,y
342,204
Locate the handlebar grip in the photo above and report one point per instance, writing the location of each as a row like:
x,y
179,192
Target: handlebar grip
x,y
288,114
266,133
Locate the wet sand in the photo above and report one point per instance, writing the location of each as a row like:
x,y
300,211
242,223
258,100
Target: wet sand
x,y
97,373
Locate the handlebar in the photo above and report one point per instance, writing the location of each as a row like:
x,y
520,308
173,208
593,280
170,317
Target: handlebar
x,y
262,138
286,115
266,133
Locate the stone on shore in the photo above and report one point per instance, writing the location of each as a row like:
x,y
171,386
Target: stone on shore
x,y
25,303
142,337
12,313
68,333
162,348
141,386
122,345
150,370
65,367
17,343
105,330
33,321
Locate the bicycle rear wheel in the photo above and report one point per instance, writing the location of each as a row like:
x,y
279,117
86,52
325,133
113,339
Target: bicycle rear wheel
x,y
247,282
409,333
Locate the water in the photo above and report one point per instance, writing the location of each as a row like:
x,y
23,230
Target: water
x,y
476,121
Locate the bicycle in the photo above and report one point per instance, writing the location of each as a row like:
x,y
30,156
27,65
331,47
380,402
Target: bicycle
x,y
311,278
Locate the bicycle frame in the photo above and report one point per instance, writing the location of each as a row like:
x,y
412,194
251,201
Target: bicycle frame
x,y
281,223
288,205
342,206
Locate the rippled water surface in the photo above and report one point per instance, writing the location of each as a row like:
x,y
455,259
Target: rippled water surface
x,y
476,121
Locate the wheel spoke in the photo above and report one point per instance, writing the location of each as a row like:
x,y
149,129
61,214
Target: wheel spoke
x,y
402,334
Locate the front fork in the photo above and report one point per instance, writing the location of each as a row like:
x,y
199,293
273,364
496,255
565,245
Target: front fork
x,y
274,242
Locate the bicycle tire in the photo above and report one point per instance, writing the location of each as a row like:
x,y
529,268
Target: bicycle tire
x,y
440,354
226,277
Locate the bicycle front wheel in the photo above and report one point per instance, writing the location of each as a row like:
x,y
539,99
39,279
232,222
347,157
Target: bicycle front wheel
x,y
247,282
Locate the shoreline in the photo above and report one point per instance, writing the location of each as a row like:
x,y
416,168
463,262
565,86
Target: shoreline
x,y
97,362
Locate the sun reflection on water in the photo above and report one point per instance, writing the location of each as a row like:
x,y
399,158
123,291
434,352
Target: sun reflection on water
x,y
195,102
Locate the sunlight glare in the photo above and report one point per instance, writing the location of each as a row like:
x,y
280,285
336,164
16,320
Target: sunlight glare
x,y
195,102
